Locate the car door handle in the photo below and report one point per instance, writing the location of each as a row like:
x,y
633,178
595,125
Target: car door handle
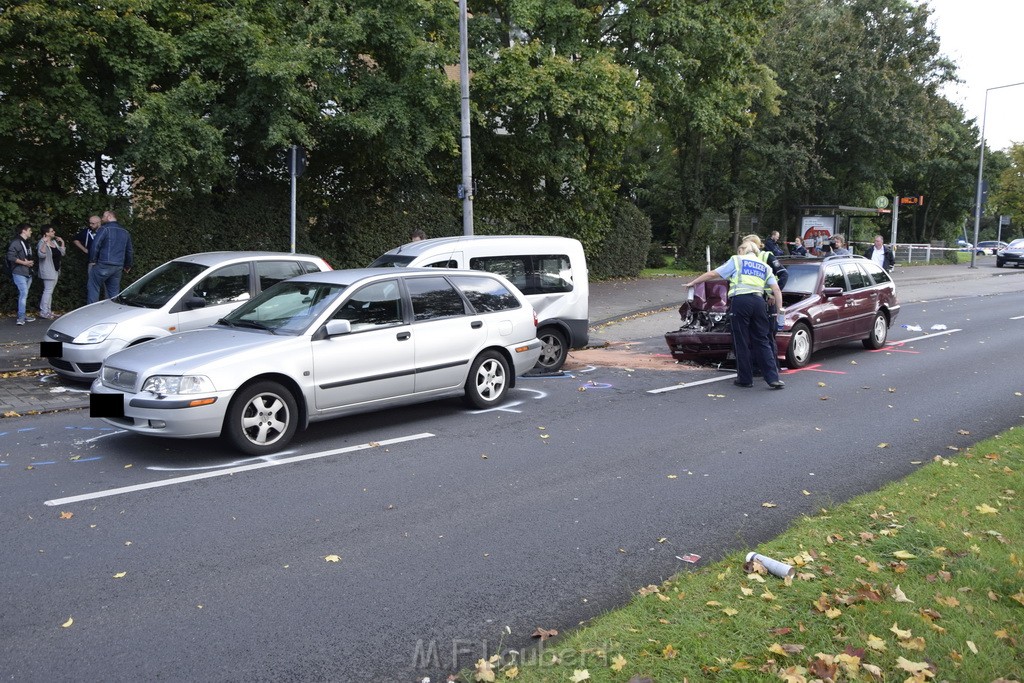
x,y
476,324
402,336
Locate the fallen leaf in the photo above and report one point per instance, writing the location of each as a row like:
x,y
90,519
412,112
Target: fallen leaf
x,y
484,671
806,492
67,624
973,648
903,555
986,509
618,663
544,633
511,672
913,644
333,558
833,613
914,667
900,633
900,596
120,575
876,643
67,515
883,445
669,652
769,505
730,612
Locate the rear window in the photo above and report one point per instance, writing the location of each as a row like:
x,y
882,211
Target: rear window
x,y
272,272
485,294
392,261
433,298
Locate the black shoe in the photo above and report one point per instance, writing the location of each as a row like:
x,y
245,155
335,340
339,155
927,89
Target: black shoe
x,y
741,384
777,384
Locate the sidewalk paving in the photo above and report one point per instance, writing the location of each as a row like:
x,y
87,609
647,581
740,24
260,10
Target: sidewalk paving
x,y
617,311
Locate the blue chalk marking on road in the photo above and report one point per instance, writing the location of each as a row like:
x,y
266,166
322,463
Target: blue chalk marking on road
x,y
45,462
26,429
93,459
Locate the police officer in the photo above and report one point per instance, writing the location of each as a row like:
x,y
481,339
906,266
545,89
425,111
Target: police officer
x,y
782,276
748,276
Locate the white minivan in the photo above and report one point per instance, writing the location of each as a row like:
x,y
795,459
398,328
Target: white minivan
x,y
550,271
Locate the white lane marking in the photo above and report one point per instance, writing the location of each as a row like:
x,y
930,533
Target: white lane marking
x,y
103,436
690,384
1017,317
234,470
926,336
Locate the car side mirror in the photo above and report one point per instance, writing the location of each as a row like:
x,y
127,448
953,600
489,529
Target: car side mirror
x,y
338,326
194,302
831,292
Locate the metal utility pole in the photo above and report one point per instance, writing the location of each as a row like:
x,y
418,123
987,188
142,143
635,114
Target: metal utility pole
x,y
296,166
981,167
466,191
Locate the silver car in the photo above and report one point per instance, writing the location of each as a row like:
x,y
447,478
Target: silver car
x,y
184,294
324,345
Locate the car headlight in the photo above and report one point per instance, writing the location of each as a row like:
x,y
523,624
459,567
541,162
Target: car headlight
x,y
178,384
95,334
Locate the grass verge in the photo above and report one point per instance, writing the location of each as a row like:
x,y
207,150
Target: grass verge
x,y
920,581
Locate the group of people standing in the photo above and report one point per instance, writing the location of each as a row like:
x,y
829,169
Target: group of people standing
x,y
105,242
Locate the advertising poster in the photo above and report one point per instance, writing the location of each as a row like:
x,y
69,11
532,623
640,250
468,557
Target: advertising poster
x,y
817,229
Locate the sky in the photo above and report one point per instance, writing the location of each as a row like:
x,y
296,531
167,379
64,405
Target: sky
x,y
983,37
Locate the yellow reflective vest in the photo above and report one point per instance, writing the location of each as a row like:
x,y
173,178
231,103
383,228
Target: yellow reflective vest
x,y
751,276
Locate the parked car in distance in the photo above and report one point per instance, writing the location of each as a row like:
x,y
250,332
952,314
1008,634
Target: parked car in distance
x,y
1012,254
989,247
828,301
184,294
324,345
551,271
964,245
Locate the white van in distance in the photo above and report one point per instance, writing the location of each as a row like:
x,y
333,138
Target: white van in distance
x,y
550,271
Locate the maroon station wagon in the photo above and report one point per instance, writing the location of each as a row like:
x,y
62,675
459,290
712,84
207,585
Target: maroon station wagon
x,y
828,301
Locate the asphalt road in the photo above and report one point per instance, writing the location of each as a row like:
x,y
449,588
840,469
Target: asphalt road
x,y
478,528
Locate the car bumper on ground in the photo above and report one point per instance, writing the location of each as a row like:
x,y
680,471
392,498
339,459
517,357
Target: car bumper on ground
x,y
171,416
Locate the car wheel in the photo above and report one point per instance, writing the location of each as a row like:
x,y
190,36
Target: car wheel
x,y
999,263
800,344
879,332
488,380
262,418
554,348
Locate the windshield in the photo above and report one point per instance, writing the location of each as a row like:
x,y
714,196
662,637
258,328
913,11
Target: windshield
x,y
1016,244
286,308
157,287
802,277
391,261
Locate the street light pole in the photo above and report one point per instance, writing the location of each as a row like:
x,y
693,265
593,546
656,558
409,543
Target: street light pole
x,y
981,168
467,158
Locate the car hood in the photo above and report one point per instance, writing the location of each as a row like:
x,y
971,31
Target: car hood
x,y
711,297
192,351
81,319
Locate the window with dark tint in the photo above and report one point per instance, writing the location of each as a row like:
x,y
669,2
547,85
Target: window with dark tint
x,y
834,277
375,305
486,294
272,272
450,263
434,297
879,276
531,274
225,285
857,279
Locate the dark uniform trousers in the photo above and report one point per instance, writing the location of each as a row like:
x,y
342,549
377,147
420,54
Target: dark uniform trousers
x,y
750,342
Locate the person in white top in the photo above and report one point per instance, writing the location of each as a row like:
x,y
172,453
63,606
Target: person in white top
x,y
881,254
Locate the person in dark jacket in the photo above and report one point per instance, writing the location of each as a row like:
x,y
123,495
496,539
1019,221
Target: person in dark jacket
x,y
772,244
881,254
20,261
110,254
798,248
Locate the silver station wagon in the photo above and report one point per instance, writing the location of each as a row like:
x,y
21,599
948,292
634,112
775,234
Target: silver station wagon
x,y
323,345
184,294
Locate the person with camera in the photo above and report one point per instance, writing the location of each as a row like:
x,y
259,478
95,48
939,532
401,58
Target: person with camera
x,y
20,263
839,246
50,250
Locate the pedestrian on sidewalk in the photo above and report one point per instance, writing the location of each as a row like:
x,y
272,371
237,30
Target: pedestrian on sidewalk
x,y
21,263
110,255
50,250
881,254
